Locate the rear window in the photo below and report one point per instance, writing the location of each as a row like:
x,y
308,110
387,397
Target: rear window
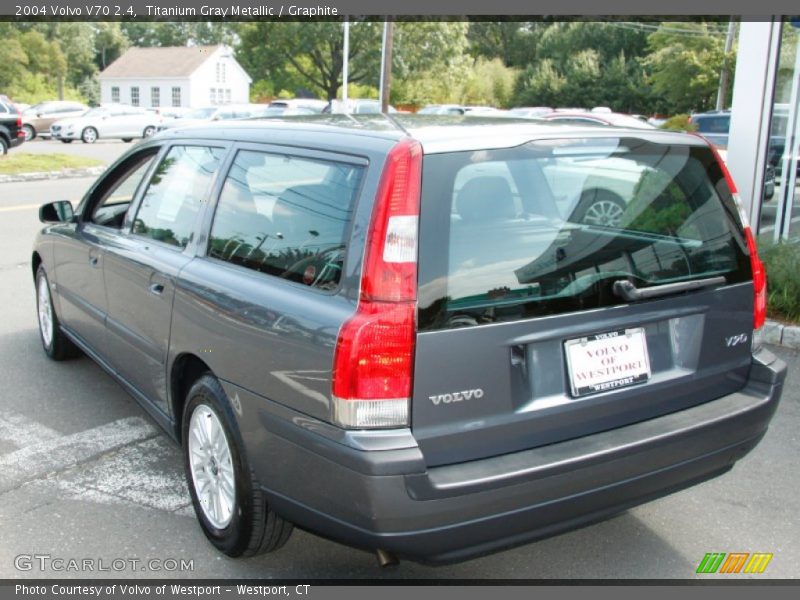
x,y
548,227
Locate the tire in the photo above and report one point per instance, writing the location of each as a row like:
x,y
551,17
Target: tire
x,y
89,135
56,345
127,140
3,147
249,527
599,207
148,131
30,132
67,141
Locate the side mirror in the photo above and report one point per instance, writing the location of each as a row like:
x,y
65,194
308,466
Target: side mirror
x,y
57,212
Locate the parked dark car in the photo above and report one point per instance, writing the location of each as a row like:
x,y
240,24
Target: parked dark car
x,y
11,134
393,332
715,127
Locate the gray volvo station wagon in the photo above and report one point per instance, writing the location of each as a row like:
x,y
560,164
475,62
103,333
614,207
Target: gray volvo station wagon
x,y
429,338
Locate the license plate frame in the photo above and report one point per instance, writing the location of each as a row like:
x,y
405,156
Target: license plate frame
x,y
607,361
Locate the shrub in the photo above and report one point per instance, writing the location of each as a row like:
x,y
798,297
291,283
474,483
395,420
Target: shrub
x,y
679,123
783,280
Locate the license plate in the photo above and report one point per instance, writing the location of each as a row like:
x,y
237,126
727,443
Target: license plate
x,y
607,361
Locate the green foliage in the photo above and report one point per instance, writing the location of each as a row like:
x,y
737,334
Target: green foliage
x,y
586,64
685,68
489,82
783,280
26,162
510,41
307,55
679,123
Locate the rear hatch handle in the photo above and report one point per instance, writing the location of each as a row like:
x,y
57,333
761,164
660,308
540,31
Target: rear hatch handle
x,y
628,291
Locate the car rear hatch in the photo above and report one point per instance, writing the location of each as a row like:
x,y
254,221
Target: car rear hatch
x,y
571,286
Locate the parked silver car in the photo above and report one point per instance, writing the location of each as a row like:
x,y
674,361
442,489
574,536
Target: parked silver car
x,y
114,121
37,119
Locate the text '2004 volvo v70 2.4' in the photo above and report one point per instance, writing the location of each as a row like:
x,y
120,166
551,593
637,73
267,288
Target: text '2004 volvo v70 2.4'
x,y
413,335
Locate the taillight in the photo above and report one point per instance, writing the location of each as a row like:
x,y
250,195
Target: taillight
x,y
374,360
756,266
759,281
20,133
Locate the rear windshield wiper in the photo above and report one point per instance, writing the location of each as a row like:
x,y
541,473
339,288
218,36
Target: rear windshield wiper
x,y
628,291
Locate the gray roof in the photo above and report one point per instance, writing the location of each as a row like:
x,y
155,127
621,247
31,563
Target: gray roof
x,y
435,133
175,61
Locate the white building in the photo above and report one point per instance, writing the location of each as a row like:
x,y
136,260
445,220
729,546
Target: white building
x,y
177,76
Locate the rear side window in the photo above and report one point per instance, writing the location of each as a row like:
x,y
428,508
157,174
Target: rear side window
x,y
174,194
714,124
548,227
286,216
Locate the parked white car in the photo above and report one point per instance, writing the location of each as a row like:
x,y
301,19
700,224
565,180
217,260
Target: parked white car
x,y
204,114
116,121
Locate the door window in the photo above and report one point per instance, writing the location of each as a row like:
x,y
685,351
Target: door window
x,y
115,197
286,216
174,195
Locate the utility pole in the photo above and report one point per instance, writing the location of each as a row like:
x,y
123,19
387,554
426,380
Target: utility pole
x,y
346,63
386,64
722,92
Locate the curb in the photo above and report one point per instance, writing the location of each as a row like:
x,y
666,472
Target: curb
x,y
779,334
44,175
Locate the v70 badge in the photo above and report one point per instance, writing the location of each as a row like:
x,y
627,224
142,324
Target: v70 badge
x,y
735,340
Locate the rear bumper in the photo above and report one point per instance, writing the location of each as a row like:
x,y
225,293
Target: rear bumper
x,y
17,141
388,499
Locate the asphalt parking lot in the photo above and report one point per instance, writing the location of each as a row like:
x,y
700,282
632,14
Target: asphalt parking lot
x,y
84,473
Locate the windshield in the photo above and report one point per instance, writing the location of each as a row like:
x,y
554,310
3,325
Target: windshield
x,y
96,112
200,113
550,226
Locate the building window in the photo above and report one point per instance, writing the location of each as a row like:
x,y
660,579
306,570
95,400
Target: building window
x,y
135,96
115,94
212,96
155,96
228,96
220,72
176,96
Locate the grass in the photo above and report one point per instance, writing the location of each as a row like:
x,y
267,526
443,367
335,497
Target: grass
x,y
16,163
782,262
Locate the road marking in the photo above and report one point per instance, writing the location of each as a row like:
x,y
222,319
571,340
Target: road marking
x,y
22,431
147,474
61,453
20,207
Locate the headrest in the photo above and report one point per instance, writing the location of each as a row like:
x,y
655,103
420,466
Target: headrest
x,y
485,198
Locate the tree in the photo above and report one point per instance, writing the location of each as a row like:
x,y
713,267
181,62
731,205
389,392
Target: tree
x,y
109,43
149,34
685,61
308,54
514,42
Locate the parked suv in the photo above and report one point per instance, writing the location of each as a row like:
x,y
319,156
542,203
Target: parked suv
x,y
11,134
393,332
37,119
715,127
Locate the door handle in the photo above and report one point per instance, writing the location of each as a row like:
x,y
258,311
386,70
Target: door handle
x,y
94,260
156,288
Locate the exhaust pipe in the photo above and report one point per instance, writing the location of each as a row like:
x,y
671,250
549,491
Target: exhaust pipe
x,y
386,559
